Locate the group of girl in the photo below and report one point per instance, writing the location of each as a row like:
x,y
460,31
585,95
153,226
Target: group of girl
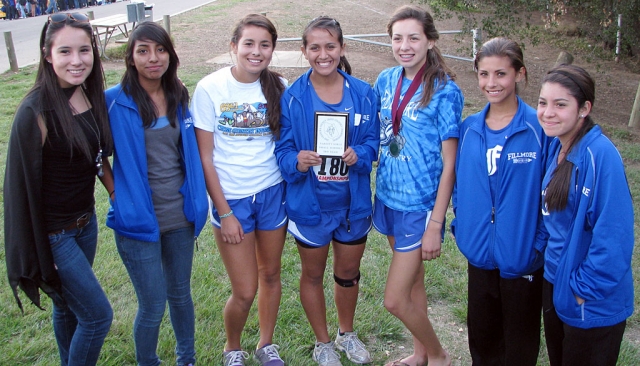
x,y
247,136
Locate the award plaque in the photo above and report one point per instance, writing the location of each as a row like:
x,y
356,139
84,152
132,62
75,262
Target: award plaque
x,y
331,131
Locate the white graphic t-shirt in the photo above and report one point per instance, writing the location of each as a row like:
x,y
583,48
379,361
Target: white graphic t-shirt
x,y
243,143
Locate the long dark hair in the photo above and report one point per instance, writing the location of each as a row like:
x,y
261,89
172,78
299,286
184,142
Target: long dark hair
x,y
436,69
333,27
270,81
502,47
175,93
582,87
54,101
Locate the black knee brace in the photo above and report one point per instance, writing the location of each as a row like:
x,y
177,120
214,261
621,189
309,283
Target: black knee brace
x,y
347,283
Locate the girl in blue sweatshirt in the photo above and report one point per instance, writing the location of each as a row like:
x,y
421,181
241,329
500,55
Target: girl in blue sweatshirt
x,y
158,205
588,212
498,226
328,198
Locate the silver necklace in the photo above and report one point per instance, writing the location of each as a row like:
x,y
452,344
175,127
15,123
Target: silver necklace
x,y
95,131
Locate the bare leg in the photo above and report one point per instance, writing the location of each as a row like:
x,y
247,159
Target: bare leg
x,y
314,261
242,268
346,265
269,245
405,297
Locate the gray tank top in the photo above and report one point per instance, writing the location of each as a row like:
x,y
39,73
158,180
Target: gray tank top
x,y
165,174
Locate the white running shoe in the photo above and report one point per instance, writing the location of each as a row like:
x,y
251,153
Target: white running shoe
x,y
352,347
325,354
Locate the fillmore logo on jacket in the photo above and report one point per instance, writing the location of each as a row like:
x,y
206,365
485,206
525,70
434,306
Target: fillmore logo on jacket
x,y
522,157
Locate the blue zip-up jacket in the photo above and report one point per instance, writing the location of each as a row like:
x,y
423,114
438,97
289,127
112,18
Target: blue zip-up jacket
x,y
595,262
132,213
297,133
505,233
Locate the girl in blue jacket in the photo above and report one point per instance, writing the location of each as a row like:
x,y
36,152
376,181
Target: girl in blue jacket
x,y
420,109
159,205
588,212
498,226
328,199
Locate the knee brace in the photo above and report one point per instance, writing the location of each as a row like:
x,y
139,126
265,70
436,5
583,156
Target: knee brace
x,y
347,283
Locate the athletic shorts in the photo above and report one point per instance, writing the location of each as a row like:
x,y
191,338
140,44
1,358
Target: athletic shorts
x,y
333,226
261,211
407,228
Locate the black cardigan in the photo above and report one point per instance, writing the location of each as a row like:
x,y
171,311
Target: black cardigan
x,y
28,252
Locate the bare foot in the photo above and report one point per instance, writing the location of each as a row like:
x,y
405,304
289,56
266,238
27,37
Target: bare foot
x,y
441,360
412,360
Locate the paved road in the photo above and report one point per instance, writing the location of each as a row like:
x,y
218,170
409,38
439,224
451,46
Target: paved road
x,y
26,32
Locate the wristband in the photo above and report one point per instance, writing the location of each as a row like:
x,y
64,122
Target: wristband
x,y
436,221
227,214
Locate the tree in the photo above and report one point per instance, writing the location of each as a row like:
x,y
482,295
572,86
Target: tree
x,y
520,19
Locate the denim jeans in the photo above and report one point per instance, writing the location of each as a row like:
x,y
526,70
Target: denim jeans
x,y
22,10
151,264
82,324
53,7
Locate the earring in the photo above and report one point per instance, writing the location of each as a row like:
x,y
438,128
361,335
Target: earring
x,y
582,116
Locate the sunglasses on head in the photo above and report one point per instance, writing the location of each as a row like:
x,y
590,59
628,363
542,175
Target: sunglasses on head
x,y
324,17
62,17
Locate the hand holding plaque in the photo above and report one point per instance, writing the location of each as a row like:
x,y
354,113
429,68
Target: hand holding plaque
x,y
331,131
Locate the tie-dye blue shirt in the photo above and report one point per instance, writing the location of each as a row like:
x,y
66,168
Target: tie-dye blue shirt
x,y
409,181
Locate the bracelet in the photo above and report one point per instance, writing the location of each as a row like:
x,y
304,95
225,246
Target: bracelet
x,y
436,221
227,214
112,192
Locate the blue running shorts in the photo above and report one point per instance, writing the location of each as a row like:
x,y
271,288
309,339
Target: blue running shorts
x,y
406,227
262,211
333,226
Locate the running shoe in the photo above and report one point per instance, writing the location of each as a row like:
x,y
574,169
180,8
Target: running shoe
x,y
325,354
352,347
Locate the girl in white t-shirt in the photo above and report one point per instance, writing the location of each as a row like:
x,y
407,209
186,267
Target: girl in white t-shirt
x,y
236,112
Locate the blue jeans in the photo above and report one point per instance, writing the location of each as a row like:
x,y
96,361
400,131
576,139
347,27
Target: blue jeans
x,y
53,7
22,10
150,264
82,324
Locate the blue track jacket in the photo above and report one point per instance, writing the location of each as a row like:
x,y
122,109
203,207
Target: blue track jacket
x,y
505,234
595,263
132,214
297,133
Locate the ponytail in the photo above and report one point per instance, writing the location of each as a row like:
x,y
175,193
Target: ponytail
x,y
272,88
